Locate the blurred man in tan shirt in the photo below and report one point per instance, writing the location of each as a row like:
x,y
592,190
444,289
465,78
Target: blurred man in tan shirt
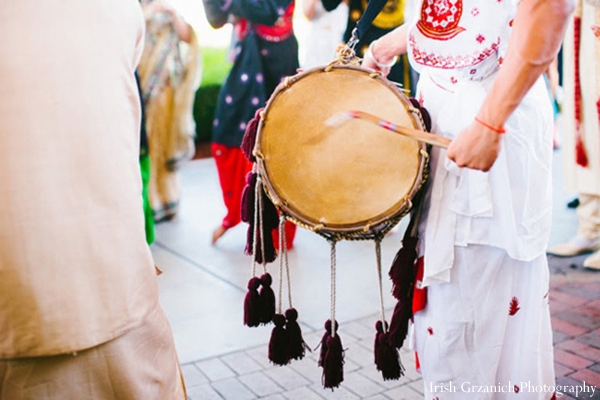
x,y
79,310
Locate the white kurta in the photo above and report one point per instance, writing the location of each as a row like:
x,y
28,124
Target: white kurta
x,y
483,235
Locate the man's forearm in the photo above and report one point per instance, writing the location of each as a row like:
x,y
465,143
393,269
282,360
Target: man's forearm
x,y
538,32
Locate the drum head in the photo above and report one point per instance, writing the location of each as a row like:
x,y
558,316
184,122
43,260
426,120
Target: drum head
x,y
346,177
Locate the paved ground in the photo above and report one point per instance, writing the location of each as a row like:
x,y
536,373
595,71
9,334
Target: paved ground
x,y
203,288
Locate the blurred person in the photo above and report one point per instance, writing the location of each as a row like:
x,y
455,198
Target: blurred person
x,y
79,305
169,74
325,33
551,76
581,129
265,51
145,171
393,15
481,315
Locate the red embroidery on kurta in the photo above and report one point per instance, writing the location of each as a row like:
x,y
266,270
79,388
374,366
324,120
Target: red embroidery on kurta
x,y
439,19
514,306
480,38
430,330
421,102
475,11
450,62
517,389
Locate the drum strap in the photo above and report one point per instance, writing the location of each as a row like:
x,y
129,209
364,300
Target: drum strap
x,y
364,23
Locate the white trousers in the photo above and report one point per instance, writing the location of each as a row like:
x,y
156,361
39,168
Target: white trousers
x,y
486,334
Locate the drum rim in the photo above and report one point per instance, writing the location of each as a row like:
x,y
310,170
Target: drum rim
x,y
346,231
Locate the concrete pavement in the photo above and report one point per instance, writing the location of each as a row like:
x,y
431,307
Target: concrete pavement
x,y
203,287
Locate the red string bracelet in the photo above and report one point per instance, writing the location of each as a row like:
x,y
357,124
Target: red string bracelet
x,y
497,130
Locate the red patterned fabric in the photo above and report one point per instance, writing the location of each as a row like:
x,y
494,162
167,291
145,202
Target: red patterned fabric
x,y
580,151
281,30
440,18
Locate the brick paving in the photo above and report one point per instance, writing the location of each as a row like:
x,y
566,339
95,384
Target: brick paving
x,y
575,308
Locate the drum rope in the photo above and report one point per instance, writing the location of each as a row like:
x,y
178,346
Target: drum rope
x,y
379,279
260,217
333,278
284,250
284,265
281,234
254,229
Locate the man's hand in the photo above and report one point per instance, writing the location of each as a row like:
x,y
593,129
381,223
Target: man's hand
x,y
476,147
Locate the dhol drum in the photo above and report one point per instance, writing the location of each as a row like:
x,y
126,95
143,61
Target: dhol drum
x,y
345,181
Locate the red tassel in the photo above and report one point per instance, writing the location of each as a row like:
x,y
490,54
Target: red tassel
x,y
249,139
402,269
297,344
267,299
252,304
278,345
333,359
387,358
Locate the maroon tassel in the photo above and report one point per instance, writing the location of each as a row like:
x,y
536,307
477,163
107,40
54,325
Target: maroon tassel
x,y
399,323
252,304
270,253
270,221
270,216
297,344
267,299
278,345
247,209
402,269
333,363
248,199
323,343
249,139
387,358
402,274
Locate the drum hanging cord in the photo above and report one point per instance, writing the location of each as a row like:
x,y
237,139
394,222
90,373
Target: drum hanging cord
x,y
286,342
331,357
347,54
259,305
387,357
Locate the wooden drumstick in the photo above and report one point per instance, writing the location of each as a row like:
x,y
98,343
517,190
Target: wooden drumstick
x,y
421,136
